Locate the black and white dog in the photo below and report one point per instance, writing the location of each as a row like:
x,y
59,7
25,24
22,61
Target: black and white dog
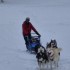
x,y
41,56
49,56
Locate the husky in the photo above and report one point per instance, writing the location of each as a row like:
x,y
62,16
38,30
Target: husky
x,y
48,56
53,56
53,53
42,58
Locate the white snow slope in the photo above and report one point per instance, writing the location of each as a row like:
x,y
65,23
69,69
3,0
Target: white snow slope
x,y
52,20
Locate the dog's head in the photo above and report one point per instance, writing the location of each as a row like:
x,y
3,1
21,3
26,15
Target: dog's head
x,y
41,55
52,44
50,53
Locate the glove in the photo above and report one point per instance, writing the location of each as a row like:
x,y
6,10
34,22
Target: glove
x,y
39,35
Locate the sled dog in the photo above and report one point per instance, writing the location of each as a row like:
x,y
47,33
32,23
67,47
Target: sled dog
x,y
42,58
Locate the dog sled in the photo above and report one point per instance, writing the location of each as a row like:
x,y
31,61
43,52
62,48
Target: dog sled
x,y
35,40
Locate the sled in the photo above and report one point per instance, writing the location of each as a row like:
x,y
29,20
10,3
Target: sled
x,y
35,40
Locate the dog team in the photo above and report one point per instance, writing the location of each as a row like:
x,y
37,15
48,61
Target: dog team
x,y
48,57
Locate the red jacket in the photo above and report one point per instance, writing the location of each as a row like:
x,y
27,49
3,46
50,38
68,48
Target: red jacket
x,y
26,29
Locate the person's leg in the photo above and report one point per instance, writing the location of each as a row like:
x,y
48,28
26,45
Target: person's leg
x,y
29,37
26,41
29,40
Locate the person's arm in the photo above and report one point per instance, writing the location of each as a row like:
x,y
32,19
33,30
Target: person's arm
x,y
34,29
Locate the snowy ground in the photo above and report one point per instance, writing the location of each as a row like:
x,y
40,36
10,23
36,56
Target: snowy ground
x,y
52,20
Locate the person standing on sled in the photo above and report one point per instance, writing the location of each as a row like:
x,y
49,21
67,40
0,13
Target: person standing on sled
x,y
26,31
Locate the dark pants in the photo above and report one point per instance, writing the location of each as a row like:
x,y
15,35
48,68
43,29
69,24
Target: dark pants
x,y
27,40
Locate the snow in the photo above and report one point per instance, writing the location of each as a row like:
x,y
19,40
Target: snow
x,y
52,20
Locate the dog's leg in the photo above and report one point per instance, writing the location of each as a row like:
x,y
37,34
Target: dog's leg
x,y
43,65
56,61
47,63
56,64
51,63
40,66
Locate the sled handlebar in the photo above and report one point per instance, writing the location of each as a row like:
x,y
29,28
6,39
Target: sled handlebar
x,y
35,35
